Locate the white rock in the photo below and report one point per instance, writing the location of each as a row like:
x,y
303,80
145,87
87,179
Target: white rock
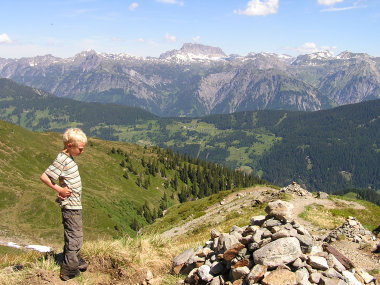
x,y
351,278
204,273
318,262
366,277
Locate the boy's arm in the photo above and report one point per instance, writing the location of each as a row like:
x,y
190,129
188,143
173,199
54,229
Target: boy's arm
x,y
63,192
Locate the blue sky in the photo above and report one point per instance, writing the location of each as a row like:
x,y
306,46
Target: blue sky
x,y
64,28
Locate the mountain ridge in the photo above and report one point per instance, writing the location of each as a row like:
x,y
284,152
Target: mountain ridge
x,y
174,84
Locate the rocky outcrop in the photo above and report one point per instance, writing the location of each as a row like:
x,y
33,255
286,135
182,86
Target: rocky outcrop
x,y
352,230
296,189
272,249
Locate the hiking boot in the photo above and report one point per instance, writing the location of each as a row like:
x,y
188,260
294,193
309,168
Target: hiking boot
x,y
82,264
67,274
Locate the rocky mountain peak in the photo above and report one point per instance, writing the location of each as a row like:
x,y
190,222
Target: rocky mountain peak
x,y
350,55
190,52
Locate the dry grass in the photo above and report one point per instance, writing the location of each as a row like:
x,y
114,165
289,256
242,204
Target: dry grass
x,y
122,261
321,217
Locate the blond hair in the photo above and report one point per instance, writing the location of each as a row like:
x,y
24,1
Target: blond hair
x,y
74,136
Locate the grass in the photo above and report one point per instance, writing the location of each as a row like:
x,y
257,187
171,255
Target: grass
x,y
109,200
318,215
181,213
122,261
321,217
369,217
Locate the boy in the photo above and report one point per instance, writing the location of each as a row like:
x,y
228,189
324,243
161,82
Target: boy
x,y
65,170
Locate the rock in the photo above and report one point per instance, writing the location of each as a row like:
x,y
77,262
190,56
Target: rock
x,y
333,262
332,273
272,223
257,235
281,234
239,273
331,281
301,230
227,241
192,277
366,277
280,277
280,209
256,273
180,260
253,246
318,262
281,251
351,278
246,239
204,273
315,277
257,220
306,242
233,251
322,195
215,233
302,276
203,252
298,263
217,268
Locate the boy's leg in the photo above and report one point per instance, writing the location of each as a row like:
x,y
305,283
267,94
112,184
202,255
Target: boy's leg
x,y
72,223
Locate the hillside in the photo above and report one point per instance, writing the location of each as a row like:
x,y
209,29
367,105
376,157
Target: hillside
x,y
339,146
37,110
126,186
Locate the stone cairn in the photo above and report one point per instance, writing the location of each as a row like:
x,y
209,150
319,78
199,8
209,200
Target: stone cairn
x,y
273,249
351,230
296,189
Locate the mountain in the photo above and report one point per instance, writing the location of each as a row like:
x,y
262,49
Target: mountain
x,y
194,52
38,110
199,80
323,150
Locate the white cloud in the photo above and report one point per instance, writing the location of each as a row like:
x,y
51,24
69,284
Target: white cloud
x,y
5,39
311,47
133,6
140,40
329,2
171,2
259,8
335,9
170,38
196,39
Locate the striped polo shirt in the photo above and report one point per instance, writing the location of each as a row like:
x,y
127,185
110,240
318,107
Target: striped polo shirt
x,y
66,171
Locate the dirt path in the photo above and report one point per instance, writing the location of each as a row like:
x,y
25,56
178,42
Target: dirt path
x,y
245,196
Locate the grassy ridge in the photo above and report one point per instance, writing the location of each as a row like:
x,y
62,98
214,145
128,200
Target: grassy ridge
x,y
109,200
126,186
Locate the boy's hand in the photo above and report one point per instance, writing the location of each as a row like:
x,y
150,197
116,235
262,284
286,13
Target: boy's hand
x,y
64,193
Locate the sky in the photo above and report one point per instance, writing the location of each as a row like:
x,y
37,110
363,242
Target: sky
x,y
145,28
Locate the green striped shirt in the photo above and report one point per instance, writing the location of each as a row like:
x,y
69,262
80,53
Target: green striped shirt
x,y
65,170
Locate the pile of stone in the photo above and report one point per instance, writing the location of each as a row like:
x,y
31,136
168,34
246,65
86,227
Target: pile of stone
x,y
296,189
351,230
273,249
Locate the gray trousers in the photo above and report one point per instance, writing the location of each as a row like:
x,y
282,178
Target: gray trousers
x,y
73,233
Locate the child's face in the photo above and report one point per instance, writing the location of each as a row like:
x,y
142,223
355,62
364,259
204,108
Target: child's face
x,y
75,149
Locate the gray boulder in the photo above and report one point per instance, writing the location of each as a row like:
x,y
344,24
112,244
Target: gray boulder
x,y
278,252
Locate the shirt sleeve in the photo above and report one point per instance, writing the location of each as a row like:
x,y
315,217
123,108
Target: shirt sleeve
x,y
55,169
